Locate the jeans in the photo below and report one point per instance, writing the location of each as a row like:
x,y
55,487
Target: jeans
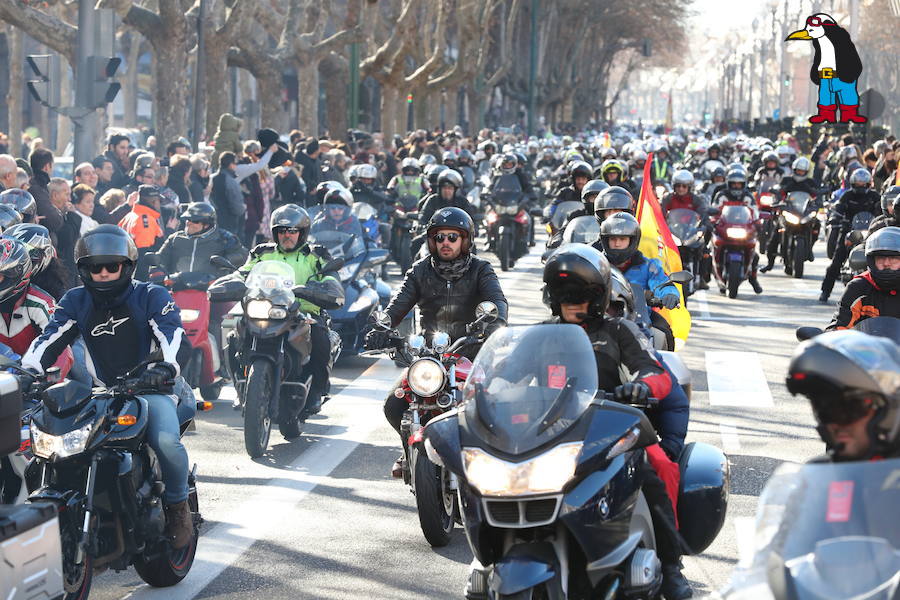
x,y
79,372
164,437
834,91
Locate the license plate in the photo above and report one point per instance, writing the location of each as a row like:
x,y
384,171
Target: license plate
x,y
736,255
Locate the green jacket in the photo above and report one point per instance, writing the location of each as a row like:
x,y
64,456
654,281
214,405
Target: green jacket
x,y
305,261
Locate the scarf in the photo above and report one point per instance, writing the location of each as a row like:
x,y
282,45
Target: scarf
x,y
452,270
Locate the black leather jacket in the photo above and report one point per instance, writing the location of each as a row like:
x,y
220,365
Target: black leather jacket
x,y
181,253
444,305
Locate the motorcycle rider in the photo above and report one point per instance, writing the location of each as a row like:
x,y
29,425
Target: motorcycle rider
x,y
409,182
851,380
446,285
465,168
611,201
449,193
290,225
620,236
858,198
736,193
799,181
121,321
769,174
614,172
661,168
889,216
337,214
579,174
588,196
681,195
363,190
577,289
190,250
48,271
873,292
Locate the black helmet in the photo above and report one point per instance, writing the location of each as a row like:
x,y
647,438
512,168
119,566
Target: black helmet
x,y
621,296
325,187
15,267
37,240
290,216
624,225
860,179
889,198
106,244
577,273
450,177
432,172
338,195
451,218
201,212
579,168
22,201
714,147
614,197
884,242
9,217
845,374
590,191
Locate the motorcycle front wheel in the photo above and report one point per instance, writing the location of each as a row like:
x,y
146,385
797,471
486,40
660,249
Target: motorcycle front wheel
x,y
435,512
257,421
734,278
801,251
173,564
77,578
504,252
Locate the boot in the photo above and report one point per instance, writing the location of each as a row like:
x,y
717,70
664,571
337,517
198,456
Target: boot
x,y
398,468
848,114
823,297
754,283
674,585
768,267
179,524
827,114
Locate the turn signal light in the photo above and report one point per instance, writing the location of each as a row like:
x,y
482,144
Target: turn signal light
x,y
126,420
204,406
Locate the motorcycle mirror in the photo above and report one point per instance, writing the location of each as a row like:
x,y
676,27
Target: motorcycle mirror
x,y
536,212
487,311
681,276
222,262
807,333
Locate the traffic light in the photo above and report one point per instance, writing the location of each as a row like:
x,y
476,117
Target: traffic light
x,y
409,98
101,70
787,81
44,87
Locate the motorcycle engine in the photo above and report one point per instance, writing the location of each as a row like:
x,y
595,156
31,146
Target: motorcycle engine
x,y
643,573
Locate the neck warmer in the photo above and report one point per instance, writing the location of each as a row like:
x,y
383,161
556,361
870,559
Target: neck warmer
x,y
452,270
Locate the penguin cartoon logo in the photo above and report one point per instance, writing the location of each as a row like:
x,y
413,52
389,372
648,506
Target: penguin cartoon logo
x,y
835,69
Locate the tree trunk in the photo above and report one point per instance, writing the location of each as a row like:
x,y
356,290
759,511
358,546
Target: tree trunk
x,y
476,109
170,92
308,98
390,99
422,100
333,71
130,91
451,101
218,99
63,123
16,85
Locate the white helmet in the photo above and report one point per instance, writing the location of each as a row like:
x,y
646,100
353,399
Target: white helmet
x,y
366,171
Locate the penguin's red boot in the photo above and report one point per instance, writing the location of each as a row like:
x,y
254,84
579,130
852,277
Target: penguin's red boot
x,y
848,114
827,114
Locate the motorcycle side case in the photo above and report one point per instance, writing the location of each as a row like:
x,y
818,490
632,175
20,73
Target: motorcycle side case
x,y
30,552
702,494
10,414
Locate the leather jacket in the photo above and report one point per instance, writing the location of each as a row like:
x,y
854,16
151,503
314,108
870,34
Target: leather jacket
x,y
447,305
181,253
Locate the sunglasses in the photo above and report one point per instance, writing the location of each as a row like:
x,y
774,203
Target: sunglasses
x,y
816,22
108,267
282,230
842,411
197,221
450,237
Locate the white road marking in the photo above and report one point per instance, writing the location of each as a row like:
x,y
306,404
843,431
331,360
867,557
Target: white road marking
x,y
731,442
223,545
745,534
736,379
702,302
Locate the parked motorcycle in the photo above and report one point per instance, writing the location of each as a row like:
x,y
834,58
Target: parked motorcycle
x,y
434,376
363,288
268,346
93,462
734,247
687,233
798,226
549,474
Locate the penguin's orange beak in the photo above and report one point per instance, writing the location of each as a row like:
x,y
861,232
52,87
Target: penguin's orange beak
x,y
799,35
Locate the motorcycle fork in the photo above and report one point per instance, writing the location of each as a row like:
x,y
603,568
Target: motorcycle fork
x,y
88,509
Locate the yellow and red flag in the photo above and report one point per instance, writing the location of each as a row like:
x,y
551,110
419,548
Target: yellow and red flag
x,y
657,242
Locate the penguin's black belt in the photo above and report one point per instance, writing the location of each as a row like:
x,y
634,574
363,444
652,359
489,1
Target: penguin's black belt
x,y
827,74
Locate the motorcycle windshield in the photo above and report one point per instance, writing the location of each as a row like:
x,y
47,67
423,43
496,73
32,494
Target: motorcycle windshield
x,y
563,210
582,230
272,279
683,222
798,203
517,398
336,228
507,185
736,214
888,327
861,221
831,527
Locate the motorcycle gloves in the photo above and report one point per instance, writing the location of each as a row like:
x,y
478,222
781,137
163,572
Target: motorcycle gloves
x,y
670,301
633,392
158,376
378,339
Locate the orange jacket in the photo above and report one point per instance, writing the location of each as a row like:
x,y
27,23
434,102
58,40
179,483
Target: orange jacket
x,y
142,223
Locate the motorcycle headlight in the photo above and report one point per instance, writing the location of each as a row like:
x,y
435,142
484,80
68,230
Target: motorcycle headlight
x,y
426,377
278,313
258,309
543,474
74,442
737,233
791,218
189,315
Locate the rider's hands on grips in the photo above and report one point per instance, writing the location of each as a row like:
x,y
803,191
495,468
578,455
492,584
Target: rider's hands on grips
x,y
25,377
670,301
378,339
158,376
633,392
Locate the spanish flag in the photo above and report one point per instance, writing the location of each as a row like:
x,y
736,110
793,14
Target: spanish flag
x,y
657,242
